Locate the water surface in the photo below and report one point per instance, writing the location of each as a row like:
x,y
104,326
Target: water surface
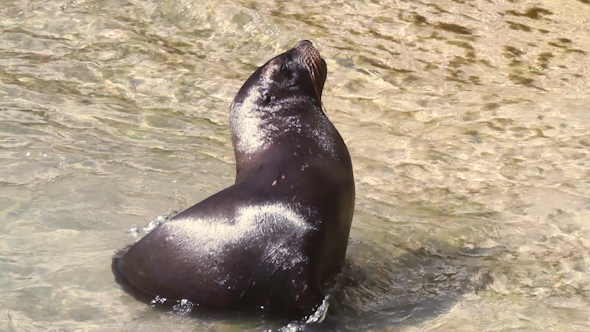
x,y
467,122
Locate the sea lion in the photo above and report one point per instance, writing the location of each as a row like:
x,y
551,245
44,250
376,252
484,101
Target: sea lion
x,y
274,238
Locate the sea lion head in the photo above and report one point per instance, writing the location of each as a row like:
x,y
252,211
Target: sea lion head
x,y
299,71
276,98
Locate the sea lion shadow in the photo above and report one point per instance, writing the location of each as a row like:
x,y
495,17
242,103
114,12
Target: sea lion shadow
x,y
379,289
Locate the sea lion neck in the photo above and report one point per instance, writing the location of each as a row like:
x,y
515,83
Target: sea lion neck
x,y
261,135
255,127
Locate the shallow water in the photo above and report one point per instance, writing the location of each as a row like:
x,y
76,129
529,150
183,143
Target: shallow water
x,y
467,122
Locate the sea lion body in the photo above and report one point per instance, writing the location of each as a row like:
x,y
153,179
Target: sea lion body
x,y
280,232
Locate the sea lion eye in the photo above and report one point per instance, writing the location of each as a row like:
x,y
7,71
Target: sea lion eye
x,y
284,68
267,97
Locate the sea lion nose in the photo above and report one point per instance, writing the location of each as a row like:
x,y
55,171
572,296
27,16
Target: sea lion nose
x,y
304,43
305,49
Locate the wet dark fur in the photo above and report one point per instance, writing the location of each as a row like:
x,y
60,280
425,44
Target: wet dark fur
x,y
276,236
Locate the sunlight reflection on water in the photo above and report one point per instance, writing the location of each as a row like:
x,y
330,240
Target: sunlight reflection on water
x,y
466,121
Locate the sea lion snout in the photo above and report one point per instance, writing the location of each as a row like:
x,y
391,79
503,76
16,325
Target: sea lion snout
x,y
310,57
